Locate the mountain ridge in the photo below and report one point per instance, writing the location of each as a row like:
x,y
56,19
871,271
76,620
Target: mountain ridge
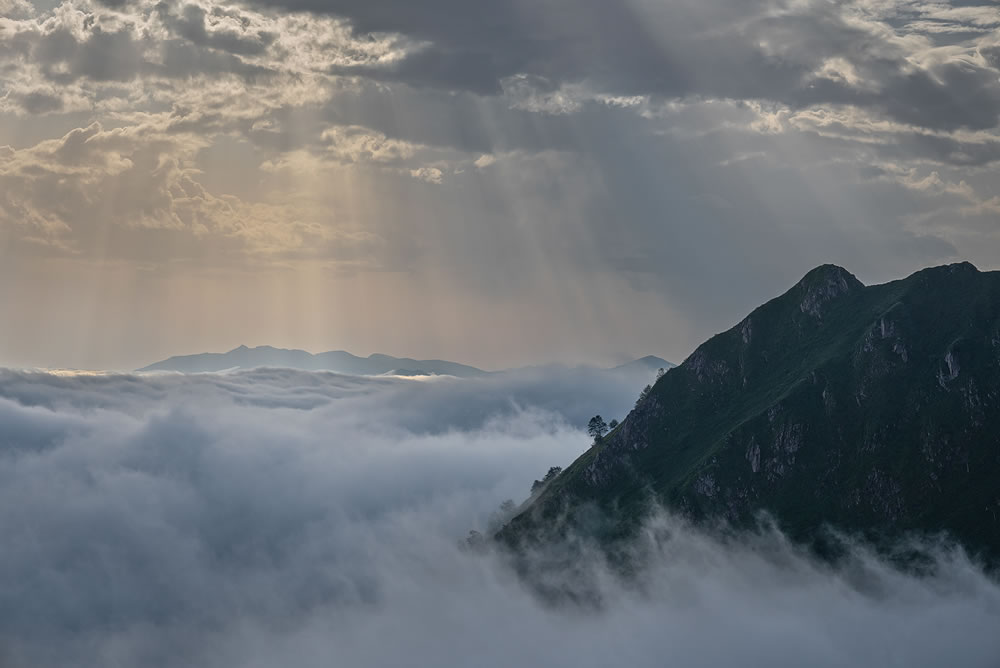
x,y
334,360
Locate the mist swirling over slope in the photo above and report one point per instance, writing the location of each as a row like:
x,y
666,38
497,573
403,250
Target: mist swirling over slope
x,y
277,517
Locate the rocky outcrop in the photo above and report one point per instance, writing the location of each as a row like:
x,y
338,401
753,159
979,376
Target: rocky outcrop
x,y
822,285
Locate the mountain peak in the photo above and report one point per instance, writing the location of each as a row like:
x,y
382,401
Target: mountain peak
x,y
823,284
649,362
966,268
827,272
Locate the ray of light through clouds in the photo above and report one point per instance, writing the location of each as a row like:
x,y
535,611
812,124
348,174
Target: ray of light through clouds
x,y
426,178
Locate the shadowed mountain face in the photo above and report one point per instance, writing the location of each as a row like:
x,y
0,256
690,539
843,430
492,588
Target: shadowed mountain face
x,y
872,409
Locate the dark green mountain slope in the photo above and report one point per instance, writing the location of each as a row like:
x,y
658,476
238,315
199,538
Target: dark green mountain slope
x,y
873,409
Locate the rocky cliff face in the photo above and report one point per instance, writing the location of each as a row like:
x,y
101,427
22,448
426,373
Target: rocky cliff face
x,y
874,409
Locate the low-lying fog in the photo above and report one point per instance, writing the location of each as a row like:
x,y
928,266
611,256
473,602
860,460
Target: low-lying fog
x,y
282,518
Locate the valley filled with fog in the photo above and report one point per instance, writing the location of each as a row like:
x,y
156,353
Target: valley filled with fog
x,y
277,517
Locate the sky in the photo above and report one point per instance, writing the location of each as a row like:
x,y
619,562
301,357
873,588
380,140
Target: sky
x,y
502,183
292,518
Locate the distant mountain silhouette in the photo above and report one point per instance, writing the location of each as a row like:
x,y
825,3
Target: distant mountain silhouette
x,y
650,362
341,361
336,360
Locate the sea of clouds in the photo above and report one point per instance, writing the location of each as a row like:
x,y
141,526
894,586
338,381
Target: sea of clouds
x,y
288,518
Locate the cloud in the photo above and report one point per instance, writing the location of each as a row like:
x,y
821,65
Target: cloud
x,y
153,52
356,144
274,516
766,50
16,9
484,161
427,174
225,30
113,191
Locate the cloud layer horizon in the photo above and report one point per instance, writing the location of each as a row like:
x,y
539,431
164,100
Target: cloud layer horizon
x,y
276,517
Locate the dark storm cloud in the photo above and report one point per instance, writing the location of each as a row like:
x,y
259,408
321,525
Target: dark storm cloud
x,y
720,48
181,60
190,25
103,56
40,102
277,517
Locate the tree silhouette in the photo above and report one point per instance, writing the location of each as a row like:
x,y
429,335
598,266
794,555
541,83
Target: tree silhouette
x,y
597,427
539,484
642,395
